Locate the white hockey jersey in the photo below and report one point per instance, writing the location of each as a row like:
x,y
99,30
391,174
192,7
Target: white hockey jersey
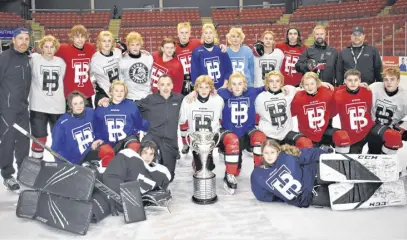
x,y
275,113
105,69
47,85
267,63
202,116
388,110
136,73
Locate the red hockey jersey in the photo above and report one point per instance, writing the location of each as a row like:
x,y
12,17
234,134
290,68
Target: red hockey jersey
x,y
354,112
173,68
313,112
291,56
184,55
77,75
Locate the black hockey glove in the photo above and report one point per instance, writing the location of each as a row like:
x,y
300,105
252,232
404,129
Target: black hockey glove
x,y
311,64
120,45
113,208
259,48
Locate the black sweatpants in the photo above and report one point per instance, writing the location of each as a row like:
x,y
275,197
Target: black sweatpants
x,y
13,143
100,93
39,122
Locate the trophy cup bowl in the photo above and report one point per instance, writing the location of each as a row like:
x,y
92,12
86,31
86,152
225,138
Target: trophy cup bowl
x,y
204,180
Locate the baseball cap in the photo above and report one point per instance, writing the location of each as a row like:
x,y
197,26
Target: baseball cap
x,y
357,30
19,31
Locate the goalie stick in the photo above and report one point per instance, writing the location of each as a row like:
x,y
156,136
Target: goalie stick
x,y
98,184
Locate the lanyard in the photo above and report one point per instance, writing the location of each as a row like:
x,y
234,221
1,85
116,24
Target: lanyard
x,y
355,59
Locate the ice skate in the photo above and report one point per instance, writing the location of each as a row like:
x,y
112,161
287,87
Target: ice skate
x,y
12,184
185,149
230,183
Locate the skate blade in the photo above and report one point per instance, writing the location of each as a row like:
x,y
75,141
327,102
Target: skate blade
x,y
230,191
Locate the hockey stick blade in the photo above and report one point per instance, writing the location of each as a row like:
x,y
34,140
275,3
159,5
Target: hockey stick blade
x,y
98,184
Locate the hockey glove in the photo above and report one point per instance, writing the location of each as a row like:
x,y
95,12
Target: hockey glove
x,y
120,45
258,48
311,64
113,208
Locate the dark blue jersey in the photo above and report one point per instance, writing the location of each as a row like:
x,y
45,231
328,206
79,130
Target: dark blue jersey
x,y
290,178
72,136
239,113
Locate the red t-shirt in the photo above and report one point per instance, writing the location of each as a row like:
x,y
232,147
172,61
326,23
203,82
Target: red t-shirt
x,y
184,55
173,68
291,56
77,75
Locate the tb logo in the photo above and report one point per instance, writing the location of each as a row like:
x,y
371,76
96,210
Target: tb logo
x,y
83,136
385,112
156,72
81,67
185,59
357,117
238,64
267,66
213,67
316,114
278,112
203,120
50,79
115,127
239,111
112,71
282,181
290,62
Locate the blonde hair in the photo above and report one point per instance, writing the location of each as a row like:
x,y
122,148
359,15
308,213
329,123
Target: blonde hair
x,y
311,75
268,32
235,31
119,83
273,73
48,38
234,76
204,79
281,148
215,34
78,30
134,36
184,25
392,71
319,27
100,39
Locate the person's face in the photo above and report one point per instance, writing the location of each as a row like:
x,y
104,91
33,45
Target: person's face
x,y
106,43
79,40
352,82
268,41
357,38
204,90
270,154
21,42
274,83
237,86
147,155
134,47
293,36
168,50
403,61
310,85
165,86
183,35
236,40
319,35
118,93
391,82
78,105
48,49
208,35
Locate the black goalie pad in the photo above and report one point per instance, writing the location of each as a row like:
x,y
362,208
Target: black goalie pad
x,y
55,211
133,208
62,179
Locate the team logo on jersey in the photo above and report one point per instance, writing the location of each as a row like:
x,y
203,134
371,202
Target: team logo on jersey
x,y
384,112
283,182
115,127
50,79
238,64
290,62
81,67
83,136
112,71
213,67
138,73
356,112
156,73
185,59
278,112
203,120
239,111
267,65
316,115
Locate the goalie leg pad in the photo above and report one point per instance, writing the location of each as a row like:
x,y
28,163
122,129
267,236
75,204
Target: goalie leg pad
x,y
231,145
55,211
133,208
62,179
341,140
257,138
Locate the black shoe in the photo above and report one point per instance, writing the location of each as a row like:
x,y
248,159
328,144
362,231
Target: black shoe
x,y
178,156
11,184
185,149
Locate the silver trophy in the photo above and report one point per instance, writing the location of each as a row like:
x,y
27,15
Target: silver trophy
x,y
204,181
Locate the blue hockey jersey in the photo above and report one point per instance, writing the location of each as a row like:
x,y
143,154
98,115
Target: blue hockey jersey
x,y
214,63
72,136
290,178
239,113
117,121
243,62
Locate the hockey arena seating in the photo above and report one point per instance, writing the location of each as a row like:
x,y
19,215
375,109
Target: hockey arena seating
x,y
11,20
159,18
247,15
69,19
62,34
399,7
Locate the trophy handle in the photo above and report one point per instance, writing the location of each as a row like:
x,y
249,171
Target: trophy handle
x,y
218,133
187,139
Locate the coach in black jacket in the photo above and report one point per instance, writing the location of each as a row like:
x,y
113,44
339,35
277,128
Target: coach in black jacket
x,y
319,58
361,56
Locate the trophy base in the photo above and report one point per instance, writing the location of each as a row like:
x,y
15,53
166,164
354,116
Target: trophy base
x,y
204,201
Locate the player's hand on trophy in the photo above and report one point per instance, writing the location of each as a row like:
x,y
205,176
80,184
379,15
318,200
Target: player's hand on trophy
x,y
328,85
96,144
